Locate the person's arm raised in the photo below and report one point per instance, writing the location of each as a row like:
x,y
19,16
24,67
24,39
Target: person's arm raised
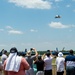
x,y
36,53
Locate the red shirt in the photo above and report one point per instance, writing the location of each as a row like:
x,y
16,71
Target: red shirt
x,y
23,66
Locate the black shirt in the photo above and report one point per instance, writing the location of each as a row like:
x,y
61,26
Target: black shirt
x,y
39,65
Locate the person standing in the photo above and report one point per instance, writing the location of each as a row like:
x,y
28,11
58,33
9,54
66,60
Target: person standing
x,y
60,63
14,64
30,58
48,64
4,56
70,63
40,66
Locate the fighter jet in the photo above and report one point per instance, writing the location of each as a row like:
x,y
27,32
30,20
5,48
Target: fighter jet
x,y
57,16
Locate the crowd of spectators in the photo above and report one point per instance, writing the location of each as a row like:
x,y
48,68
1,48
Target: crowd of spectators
x,y
23,63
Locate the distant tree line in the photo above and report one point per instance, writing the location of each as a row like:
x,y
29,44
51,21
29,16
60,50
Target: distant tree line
x,y
65,52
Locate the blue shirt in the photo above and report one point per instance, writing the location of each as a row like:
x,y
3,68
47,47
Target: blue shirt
x,y
70,60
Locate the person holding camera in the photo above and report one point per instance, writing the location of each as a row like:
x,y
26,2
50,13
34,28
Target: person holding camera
x,y
30,58
48,63
39,65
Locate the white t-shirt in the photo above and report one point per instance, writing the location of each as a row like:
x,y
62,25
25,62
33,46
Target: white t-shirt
x,y
3,58
48,63
60,64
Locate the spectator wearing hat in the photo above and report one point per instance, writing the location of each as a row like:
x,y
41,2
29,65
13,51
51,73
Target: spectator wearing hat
x,y
70,63
30,58
60,63
14,64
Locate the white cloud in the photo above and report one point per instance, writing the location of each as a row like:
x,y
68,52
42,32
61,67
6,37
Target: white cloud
x,y
58,25
32,30
58,0
9,27
12,31
15,32
39,4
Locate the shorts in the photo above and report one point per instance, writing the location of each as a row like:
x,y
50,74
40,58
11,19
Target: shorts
x,y
40,73
30,72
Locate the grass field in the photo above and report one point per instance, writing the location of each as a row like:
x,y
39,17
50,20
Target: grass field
x,y
54,70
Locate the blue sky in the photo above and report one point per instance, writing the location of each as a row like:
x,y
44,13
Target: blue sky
x,y
32,23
